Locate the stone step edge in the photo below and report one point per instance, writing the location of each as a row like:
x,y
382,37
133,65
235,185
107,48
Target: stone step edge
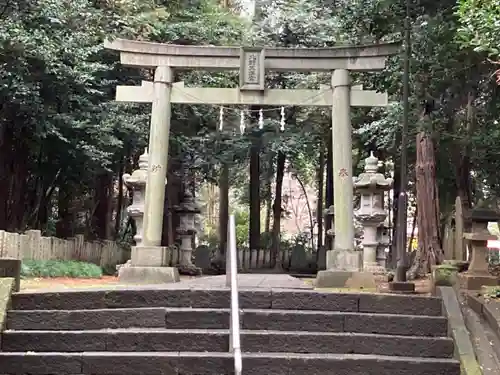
x,y
210,297
198,331
226,310
341,357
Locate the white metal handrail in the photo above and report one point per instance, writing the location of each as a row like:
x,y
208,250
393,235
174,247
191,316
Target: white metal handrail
x,y
232,282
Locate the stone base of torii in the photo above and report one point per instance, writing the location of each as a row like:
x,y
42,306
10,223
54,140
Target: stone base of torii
x,y
252,63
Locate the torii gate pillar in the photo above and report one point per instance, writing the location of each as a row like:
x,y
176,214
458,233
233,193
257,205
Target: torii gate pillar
x,y
343,255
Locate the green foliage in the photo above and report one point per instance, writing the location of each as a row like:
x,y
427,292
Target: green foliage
x,y
242,221
480,25
60,268
60,129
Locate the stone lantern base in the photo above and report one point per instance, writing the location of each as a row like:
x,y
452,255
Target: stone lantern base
x,y
147,266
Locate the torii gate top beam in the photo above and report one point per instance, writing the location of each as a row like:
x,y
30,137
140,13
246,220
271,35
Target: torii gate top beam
x,y
356,58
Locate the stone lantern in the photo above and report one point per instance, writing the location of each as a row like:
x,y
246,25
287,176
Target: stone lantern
x,y
371,186
478,274
187,211
137,183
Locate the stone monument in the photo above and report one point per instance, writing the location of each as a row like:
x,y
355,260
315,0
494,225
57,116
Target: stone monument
x,y
371,185
147,265
252,64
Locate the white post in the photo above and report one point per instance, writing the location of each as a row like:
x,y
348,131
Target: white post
x,y
342,161
158,156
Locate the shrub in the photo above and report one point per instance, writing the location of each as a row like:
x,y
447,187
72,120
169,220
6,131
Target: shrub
x,y
60,268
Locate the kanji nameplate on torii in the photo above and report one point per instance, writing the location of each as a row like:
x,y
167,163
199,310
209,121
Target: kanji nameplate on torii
x,y
252,69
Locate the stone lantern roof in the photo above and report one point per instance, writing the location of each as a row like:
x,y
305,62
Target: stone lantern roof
x,y
139,176
371,179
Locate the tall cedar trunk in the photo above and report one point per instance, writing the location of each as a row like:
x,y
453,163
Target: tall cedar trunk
x,y
429,251
319,202
269,193
6,140
254,227
275,240
65,219
19,176
269,208
392,256
309,210
173,196
101,219
119,198
329,190
462,158
223,207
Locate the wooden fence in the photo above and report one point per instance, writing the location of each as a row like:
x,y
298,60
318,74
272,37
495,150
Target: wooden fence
x,y
32,245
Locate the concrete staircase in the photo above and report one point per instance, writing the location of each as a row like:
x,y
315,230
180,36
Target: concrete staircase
x,y
185,332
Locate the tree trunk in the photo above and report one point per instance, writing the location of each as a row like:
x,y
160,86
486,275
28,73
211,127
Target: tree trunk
x,y
173,196
65,218
223,208
429,251
309,210
329,190
392,256
119,199
275,240
101,219
6,140
269,194
19,175
254,227
319,203
462,158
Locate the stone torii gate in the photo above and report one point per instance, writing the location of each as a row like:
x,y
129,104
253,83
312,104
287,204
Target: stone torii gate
x,y
252,64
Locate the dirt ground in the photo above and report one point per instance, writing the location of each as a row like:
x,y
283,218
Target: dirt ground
x,y
422,286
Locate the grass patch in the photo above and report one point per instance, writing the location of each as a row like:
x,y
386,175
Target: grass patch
x,y
60,268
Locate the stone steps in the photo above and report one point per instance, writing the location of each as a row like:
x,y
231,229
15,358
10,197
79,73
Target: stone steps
x,y
164,340
203,318
211,363
163,330
280,299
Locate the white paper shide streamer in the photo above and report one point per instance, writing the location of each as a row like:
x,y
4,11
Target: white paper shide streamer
x,y
221,118
261,119
242,122
282,122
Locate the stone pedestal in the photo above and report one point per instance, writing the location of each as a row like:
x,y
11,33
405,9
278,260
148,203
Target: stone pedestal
x,y
478,274
370,244
384,242
148,264
148,275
